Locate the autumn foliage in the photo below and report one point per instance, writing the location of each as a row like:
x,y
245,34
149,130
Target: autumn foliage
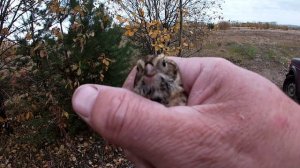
x,y
61,47
167,26
50,47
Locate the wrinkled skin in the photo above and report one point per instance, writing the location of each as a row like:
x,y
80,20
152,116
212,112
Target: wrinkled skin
x,y
234,118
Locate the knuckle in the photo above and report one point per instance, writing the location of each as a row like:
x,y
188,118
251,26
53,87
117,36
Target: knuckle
x,y
221,62
116,118
120,121
223,66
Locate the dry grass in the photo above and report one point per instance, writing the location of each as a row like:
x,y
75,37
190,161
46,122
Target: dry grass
x,y
283,44
266,52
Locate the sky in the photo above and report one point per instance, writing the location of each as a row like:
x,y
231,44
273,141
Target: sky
x,y
285,12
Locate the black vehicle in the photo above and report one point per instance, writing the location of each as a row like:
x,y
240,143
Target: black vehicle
x,y
291,84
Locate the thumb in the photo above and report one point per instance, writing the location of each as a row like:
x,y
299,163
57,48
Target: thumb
x,y
119,115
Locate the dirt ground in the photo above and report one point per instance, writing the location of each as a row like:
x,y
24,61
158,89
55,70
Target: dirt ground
x,y
266,52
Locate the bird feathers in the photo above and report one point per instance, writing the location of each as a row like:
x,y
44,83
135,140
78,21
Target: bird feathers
x,y
158,79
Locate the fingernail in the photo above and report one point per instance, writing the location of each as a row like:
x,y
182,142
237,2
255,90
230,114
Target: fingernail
x,y
84,99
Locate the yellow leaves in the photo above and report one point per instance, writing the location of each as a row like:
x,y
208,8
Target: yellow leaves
x,y
154,30
28,115
65,114
121,19
78,72
159,35
167,37
81,39
158,46
71,84
153,34
82,43
77,9
141,12
130,30
4,31
101,76
105,18
154,23
129,33
171,50
106,62
76,68
28,36
56,32
192,45
185,44
164,38
91,34
41,49
24,117
54,7
176,27
128,27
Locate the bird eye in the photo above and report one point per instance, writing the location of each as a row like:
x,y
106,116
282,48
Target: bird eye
x,y
164,63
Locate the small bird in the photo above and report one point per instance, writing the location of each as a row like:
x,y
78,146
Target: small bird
x,y
158,79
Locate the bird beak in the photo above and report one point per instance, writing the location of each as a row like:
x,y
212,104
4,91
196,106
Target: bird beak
x,y
149,70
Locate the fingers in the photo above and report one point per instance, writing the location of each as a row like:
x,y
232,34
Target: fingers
x,y
128,84
146,128
121,116
193,69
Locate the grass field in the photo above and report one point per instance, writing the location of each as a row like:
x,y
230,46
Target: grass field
x,y
266,52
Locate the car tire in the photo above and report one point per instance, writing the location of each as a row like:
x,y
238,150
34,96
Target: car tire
x,y
289,87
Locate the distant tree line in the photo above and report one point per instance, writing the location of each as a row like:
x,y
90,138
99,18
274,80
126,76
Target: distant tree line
x,y
224,25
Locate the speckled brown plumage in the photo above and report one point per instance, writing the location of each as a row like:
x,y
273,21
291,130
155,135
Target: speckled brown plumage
x,y
158,79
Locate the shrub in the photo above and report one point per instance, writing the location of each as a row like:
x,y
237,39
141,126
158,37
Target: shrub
x,y
43,82
224,25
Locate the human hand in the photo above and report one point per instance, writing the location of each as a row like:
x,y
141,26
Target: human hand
x,y
234,118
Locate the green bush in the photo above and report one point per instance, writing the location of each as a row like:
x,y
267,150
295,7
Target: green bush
x,y
92,52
